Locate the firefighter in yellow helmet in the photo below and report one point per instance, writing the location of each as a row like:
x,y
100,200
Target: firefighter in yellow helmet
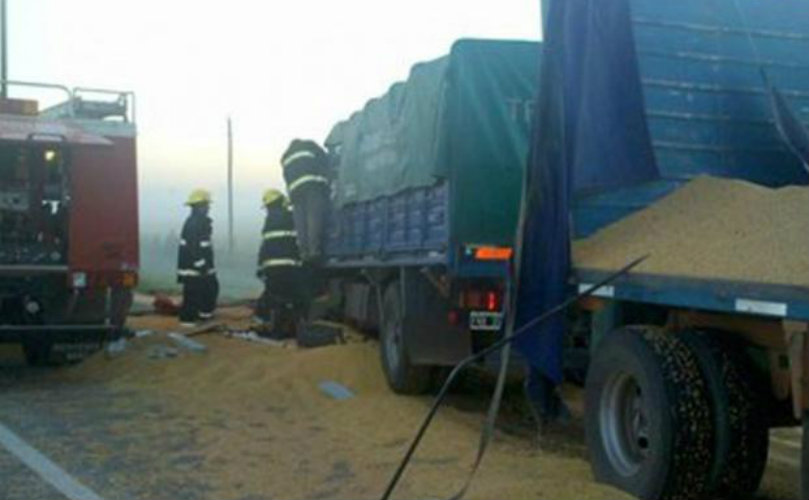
x,y
196,270
279,267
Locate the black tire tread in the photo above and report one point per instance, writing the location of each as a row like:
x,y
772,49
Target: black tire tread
x,y
742,436
412,379
692,449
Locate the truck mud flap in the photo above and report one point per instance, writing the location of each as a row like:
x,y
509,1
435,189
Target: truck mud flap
x,y
430,339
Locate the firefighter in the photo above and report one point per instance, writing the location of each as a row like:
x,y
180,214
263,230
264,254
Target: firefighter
x,y
195,262
305,167
279,265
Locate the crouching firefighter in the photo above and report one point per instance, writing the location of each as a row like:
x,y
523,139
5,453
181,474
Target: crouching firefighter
x,y
305,167
195,262
280,267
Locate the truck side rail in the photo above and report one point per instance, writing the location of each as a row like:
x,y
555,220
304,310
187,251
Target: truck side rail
x,y
407,228
757,299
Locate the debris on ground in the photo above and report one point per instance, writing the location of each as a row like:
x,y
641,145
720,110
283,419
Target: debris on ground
x,y
186,343
336,390
319,334
116,347
711,228
208,327
251,336
166,305
162,351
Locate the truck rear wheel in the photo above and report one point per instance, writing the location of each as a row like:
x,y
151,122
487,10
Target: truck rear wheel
x,y
741,438
403,376
648,421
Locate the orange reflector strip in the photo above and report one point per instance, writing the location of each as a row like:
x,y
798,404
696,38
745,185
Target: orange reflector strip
x,y
493,253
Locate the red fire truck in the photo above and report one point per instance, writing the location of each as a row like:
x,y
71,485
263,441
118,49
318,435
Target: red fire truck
x,y
68,220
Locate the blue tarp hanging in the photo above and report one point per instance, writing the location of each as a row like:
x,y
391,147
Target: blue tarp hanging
x,y
590,134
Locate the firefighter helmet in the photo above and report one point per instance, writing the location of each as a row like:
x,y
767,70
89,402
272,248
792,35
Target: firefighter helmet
x,y
199,197
271,196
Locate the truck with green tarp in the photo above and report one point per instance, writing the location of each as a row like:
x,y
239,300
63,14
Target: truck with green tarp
x,y
426,195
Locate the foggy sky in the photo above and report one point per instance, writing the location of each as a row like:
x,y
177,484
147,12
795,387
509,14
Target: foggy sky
x,y
281,68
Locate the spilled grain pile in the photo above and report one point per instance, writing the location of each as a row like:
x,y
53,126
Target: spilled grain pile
x,y
712,228
262,428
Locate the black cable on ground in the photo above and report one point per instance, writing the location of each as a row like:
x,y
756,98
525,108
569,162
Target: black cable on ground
x,y
522,331
805,458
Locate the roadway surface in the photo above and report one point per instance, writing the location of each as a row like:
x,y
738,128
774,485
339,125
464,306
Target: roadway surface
x,y
136,428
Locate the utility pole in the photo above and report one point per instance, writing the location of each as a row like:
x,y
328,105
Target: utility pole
x,y
4,55
230,185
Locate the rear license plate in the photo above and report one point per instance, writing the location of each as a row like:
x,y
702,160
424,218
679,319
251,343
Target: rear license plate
x,y
485,321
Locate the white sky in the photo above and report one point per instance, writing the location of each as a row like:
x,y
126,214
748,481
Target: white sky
x,y
281,68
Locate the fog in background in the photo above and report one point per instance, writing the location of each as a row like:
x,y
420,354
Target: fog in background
x,y
280,69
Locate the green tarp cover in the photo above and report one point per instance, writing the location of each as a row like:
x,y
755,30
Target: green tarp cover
x,y
464,118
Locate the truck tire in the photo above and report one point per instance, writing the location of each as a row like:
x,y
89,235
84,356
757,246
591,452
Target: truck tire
x,y
647,419
403,376
741,438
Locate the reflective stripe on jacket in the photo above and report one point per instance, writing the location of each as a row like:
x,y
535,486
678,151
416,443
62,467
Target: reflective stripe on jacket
x,y
280,263
195,253
279,245
269,235
306,179
303,162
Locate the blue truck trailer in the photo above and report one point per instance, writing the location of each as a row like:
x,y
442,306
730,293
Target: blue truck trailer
x,y
686,374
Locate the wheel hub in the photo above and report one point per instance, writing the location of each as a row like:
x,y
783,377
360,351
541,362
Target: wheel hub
x,y
624,424
393,343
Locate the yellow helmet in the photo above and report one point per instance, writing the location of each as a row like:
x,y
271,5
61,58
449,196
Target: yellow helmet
x,y
271,196
198,197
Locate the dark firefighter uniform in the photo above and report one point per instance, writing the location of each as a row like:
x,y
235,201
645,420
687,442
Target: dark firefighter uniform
x,y
279,264
306,174
195,262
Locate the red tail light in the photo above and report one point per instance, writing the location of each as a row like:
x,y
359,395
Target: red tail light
x,y
492,302
488,300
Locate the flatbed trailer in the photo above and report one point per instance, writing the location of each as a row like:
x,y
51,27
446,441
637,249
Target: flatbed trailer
x,y
686,374
753,300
